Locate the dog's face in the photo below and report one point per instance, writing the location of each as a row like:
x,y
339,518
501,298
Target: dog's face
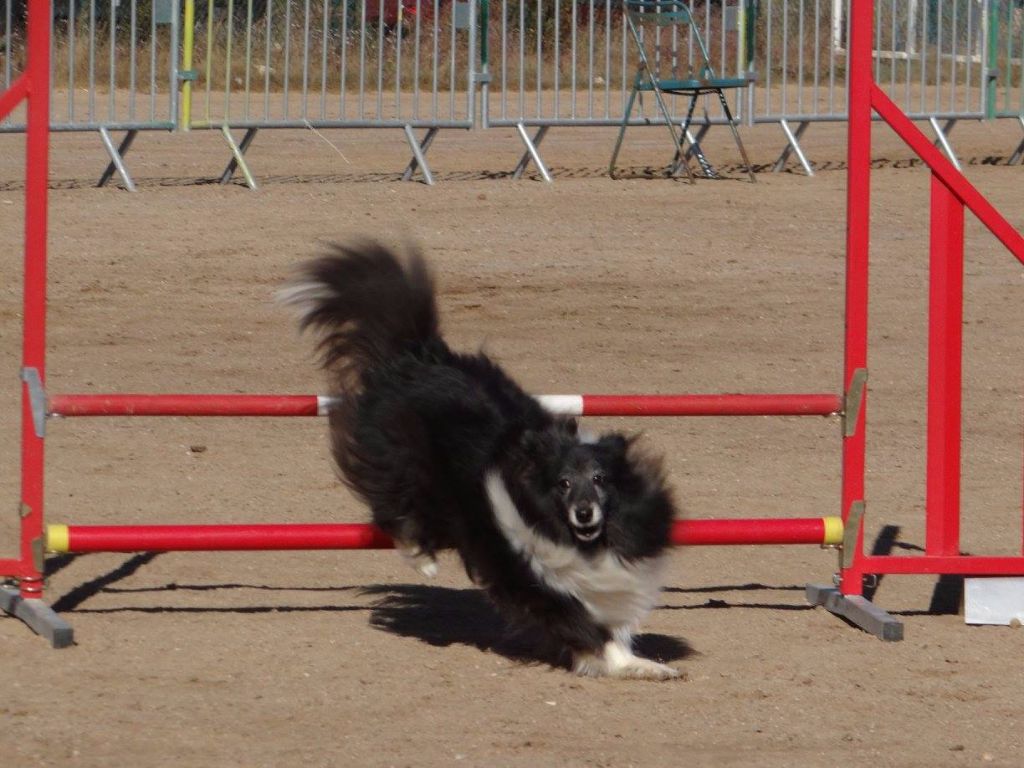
x,y
574,483
582,494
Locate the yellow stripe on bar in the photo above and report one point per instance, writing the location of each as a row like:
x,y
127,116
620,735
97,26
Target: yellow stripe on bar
x,y
57,538
833,530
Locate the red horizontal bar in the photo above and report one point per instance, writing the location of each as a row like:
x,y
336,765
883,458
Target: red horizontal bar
x,y
174,538
711,405
216,538
810,530
960,565
183,405
308,405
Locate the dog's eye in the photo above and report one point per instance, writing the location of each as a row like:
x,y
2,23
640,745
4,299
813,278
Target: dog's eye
x,y
564,483
598,479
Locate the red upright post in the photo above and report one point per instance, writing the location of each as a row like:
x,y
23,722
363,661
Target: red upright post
x,y
34,86
34,317
858,195
945,332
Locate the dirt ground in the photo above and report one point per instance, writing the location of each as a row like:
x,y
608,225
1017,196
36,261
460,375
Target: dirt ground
x,y
585,285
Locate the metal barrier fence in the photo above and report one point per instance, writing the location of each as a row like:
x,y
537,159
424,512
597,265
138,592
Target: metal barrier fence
x,y
929,56
164,64
113,63
938,60
571,62
1005,94
329,63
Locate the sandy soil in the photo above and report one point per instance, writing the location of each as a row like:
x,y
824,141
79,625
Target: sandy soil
x,y
641,285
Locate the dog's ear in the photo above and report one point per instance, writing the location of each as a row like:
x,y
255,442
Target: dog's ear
x,y
529,452
534,442
616,443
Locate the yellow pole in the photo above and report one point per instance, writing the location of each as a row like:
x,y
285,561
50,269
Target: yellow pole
x,y
188,41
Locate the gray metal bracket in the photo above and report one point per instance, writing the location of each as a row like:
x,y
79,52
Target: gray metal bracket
x,y
237,161
419,158
37,399
1018,154
424,145
942,140
851,531
117,158
853,401
857,610
531,152
39,616
793,147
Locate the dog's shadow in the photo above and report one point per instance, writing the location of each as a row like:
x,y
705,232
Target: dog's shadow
x,y
443,616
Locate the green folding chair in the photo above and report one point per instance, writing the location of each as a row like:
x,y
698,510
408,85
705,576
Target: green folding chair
x,y
670,21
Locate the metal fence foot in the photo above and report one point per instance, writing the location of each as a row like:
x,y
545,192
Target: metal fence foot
x,y
858,610
238,156
1018,154
532,153
424,146
419,152
793,147
39,616
117,159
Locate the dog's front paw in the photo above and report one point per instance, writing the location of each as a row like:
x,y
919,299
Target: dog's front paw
x,y
620,663
645,669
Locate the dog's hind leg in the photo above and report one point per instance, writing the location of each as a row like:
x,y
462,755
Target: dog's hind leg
x,y
424,562
411,544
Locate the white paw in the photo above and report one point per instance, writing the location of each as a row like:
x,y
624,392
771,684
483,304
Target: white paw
x,y
617,660
424,564
427,566
645,669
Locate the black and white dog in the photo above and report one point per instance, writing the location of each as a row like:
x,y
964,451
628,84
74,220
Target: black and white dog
x,y
565,533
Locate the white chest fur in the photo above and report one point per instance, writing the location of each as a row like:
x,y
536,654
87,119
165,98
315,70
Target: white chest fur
x,y
615,592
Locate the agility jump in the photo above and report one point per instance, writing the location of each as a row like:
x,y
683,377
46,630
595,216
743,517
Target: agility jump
x,y
950,194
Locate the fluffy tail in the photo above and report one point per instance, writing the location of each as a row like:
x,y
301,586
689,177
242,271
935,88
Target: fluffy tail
x,y
366,306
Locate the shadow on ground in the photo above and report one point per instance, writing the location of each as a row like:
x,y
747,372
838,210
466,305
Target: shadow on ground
x,y
442,616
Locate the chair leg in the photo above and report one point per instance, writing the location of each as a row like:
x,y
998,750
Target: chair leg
x,y
622,131
736,135
695,148
663,107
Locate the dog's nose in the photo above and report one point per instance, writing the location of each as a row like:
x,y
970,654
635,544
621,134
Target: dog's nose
x,y
584,515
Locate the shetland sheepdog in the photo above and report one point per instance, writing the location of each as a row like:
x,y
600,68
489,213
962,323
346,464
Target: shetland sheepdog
x,y
564,532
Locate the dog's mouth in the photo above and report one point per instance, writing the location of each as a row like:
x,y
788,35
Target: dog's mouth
x,y
587,533
586,522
